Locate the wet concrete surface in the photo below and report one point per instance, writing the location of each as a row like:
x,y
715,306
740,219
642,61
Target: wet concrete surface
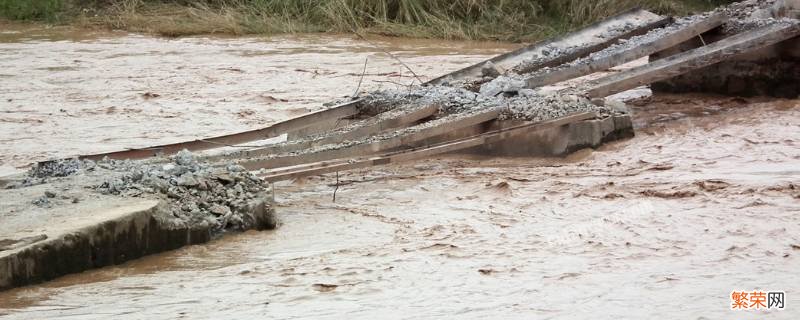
x,y
664,225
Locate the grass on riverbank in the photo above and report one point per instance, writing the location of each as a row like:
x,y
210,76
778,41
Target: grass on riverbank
x,y
507,20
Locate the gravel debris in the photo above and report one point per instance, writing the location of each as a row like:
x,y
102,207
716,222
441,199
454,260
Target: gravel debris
x,y
458,103
750,14
517,102
197,192
503,84
547,54
58,168
42,202
538,107
748,9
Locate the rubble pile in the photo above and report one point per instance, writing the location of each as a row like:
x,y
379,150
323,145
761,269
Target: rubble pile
x,y
60,168
505,93
197,192
530,105
449,99
750,9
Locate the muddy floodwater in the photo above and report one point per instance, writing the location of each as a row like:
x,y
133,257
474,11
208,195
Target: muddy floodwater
x,y
704,201
66,92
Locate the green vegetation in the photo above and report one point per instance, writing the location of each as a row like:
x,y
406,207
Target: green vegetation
x,y
509,20
47,10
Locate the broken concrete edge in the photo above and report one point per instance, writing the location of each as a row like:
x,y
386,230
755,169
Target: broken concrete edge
x,y
634,13
558,142
9,176
120,234
564,140
594,133
772,71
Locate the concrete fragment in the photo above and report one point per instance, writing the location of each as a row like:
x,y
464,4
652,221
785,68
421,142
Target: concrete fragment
x,y
502,84
489,69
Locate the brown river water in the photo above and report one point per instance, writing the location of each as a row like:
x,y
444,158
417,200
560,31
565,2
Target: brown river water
x,y
705,200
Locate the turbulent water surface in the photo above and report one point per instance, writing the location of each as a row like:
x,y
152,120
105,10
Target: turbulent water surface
x,y
705,200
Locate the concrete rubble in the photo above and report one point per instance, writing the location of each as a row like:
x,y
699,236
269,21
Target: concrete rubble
x,y
197,193
504,92
456,103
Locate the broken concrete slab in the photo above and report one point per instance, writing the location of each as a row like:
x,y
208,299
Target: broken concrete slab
x,y
95,234
456,145
74,215
564,140
685,62
634,48
566,48
550,142
770,71
336,112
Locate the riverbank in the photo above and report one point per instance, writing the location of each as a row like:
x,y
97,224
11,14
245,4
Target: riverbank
x,y
516,21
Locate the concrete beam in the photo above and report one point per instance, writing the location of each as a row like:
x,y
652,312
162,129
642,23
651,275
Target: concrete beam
x,y
370,127
690,60
423,152
593,38
592,64
368,148
275,130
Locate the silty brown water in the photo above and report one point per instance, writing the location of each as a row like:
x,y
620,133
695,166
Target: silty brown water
x,y
705,200
97,91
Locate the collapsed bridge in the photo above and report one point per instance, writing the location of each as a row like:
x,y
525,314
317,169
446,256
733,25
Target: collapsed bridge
x,y
503,100
551,97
